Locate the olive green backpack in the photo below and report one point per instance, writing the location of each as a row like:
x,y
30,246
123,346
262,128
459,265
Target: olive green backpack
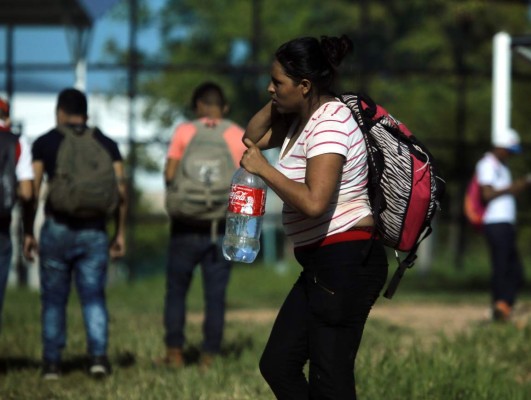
x,y
84,185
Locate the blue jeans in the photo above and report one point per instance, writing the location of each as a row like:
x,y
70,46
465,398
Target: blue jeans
x,y
6,251
82,254
322,321
186,250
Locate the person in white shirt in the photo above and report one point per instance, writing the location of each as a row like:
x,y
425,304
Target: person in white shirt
x,y
321,176
499,223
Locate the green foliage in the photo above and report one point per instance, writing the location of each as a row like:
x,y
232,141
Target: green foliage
x,y
147,247
429,63
121,11
410,50
143,158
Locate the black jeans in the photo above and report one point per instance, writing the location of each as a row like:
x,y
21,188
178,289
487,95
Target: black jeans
x,y
322,321
507,270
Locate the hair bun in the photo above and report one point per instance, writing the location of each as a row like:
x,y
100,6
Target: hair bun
x,y
335,49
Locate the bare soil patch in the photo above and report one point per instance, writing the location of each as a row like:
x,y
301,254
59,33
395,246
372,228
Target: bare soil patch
x,y
425,319
449,319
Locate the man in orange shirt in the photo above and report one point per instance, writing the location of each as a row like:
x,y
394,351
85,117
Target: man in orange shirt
x,y
193,241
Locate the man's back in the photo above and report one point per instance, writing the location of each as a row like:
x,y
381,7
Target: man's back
x,y
492,172
46,147
56,145
185,132
206,150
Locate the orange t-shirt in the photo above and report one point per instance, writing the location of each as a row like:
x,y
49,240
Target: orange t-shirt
x,y
185,132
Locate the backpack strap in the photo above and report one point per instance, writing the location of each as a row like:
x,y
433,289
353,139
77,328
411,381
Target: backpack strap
x,y
404,265
364,109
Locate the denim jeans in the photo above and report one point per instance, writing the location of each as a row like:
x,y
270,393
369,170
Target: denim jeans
x,y
507,271
186,251
322,321
81,254
6,252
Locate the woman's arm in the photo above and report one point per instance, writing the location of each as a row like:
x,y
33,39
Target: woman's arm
x,y
311,197
268,128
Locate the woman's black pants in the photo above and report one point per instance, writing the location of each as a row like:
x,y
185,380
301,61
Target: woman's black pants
x,y
322,321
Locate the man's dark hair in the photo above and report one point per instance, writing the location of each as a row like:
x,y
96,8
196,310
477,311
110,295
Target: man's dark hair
x,y
209,93
72,102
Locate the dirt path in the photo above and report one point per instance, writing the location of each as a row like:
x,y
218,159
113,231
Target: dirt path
x,y
444,318
426,319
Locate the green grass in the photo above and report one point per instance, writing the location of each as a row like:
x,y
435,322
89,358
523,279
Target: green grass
x,y
489,362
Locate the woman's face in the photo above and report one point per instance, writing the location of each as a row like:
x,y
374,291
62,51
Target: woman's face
x,y
287,96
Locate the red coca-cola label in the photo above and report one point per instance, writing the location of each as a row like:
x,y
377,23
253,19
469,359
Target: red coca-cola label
x,y
247,200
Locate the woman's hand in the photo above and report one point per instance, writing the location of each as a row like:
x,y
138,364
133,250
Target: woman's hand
x,y
311,197
253,160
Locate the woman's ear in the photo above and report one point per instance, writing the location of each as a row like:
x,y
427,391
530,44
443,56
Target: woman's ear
x,y
306,86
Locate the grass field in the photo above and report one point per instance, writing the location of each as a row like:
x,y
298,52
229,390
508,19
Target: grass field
x,y
488,361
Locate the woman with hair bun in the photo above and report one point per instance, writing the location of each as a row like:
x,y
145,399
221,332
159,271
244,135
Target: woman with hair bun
x,y
321,176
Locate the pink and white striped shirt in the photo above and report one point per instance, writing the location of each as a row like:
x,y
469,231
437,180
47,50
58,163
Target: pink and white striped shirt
x,y
331,129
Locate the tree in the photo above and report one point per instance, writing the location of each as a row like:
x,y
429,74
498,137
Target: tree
x,y
429,62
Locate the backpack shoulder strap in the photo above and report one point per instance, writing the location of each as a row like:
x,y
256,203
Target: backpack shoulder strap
x,y
213,130
208,134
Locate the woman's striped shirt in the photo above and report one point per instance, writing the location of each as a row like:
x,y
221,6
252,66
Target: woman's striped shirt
x,y
331,129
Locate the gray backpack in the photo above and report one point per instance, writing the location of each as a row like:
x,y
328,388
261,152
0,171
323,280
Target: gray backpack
x,y
8,178
201,185
84,185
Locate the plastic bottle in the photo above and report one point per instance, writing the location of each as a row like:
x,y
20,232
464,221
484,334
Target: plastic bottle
x,y
244,217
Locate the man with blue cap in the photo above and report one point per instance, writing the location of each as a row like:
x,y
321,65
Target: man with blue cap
x,y
499,222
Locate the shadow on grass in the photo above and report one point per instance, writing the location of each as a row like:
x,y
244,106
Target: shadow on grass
x,y
11,364
69,365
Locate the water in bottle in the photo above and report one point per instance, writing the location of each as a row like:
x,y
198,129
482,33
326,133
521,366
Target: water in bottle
x,y
244,217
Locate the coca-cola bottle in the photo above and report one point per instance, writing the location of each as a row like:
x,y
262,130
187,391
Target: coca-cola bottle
x,y
244,217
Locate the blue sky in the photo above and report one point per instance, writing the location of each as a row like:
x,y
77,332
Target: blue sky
x,y
51,45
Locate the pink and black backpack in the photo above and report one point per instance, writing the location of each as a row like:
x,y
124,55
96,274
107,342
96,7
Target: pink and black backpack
x,y
474,207
405,187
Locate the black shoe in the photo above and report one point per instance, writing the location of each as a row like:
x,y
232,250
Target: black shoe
x,y
100,367
51,371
